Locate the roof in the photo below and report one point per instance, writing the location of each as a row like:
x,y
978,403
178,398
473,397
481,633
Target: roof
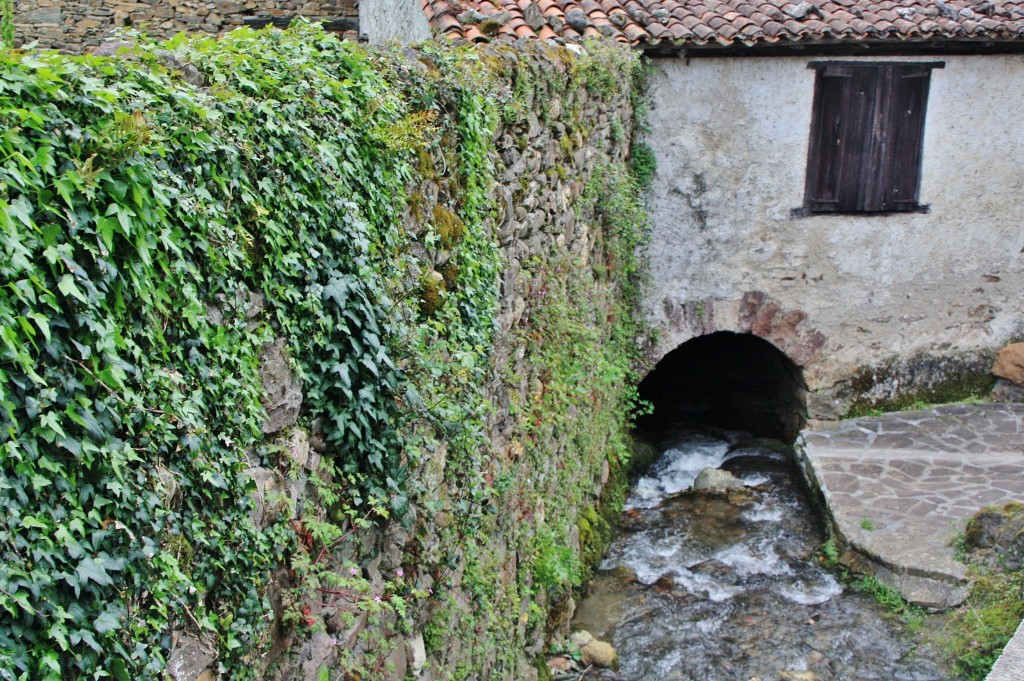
x,y
730,23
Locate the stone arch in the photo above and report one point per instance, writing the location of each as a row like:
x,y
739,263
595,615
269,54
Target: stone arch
x,y
724,379
755,312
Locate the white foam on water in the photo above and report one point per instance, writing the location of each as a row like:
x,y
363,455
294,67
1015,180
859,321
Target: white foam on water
x,y
676,470
754,479
763,513
747,561
703,586
819,588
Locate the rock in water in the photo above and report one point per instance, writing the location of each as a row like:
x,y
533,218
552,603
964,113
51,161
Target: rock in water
x,y
717,479
600,654
580,639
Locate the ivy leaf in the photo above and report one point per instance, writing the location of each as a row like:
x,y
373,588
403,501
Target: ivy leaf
x,y
21,208
108,620
32,522
67,286
118,670
95,569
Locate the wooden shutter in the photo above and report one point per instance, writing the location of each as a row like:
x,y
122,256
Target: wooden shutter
x,y
865,148
900,166
840,143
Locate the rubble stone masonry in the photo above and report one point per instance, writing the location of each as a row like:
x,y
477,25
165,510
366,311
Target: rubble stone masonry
x,y
79,25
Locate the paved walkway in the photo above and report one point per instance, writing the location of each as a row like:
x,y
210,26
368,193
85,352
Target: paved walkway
x,y
899,488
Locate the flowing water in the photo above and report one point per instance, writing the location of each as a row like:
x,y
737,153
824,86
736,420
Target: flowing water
x,y
716,587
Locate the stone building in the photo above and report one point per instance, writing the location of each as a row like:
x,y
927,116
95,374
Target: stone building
x,y
835,177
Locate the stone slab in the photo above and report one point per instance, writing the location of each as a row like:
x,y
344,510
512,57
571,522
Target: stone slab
x,y
899,487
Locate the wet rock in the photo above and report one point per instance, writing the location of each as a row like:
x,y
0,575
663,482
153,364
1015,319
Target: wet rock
x,y
797,676
560,664
718,480
644,454
722,573
602,675
580,639
600,654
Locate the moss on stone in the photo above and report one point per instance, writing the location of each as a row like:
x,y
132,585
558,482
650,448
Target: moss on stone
x,y
928,380
449,226
431,294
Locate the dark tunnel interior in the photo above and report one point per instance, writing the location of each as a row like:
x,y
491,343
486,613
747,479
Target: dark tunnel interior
x,y
725,380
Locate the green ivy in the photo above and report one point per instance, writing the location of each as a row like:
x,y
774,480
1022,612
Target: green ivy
x,y
6,23
141,219
133,204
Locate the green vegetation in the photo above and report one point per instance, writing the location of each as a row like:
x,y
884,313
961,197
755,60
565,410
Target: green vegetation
x,y
141,215
888,597
976,632
972,635
6,23
830,553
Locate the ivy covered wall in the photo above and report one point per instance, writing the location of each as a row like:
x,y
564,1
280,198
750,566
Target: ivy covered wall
x,y
315,361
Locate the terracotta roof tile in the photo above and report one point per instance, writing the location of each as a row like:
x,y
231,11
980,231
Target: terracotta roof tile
x,y
750,22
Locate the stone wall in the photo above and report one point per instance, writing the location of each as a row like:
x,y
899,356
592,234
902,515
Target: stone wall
x,y
489,612
874,307
547,153
78,25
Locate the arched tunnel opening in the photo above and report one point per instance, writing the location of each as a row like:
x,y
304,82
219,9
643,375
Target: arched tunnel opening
x,y
725,380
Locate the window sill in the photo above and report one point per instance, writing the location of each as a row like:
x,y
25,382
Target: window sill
x,y
805,212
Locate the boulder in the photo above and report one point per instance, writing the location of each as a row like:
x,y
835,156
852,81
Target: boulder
x,y
1010,363
189,658
600,654
994,537
717,479
580,638
592,651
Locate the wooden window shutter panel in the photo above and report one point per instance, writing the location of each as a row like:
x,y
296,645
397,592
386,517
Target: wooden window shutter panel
x,y
901,173
839,147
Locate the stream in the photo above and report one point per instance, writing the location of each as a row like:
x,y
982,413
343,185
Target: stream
x,y
724,587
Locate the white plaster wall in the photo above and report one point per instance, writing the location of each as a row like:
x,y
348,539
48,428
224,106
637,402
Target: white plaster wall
x,y
384,21
730,136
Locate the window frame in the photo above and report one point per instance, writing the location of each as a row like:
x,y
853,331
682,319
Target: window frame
x,y
877,111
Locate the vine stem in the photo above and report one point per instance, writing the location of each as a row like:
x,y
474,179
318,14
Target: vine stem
x,y
111,391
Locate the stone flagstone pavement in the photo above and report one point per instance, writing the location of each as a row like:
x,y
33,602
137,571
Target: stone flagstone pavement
x,y
899,487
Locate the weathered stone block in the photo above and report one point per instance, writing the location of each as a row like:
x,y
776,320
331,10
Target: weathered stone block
x,y
1010,363
189,658
282,390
